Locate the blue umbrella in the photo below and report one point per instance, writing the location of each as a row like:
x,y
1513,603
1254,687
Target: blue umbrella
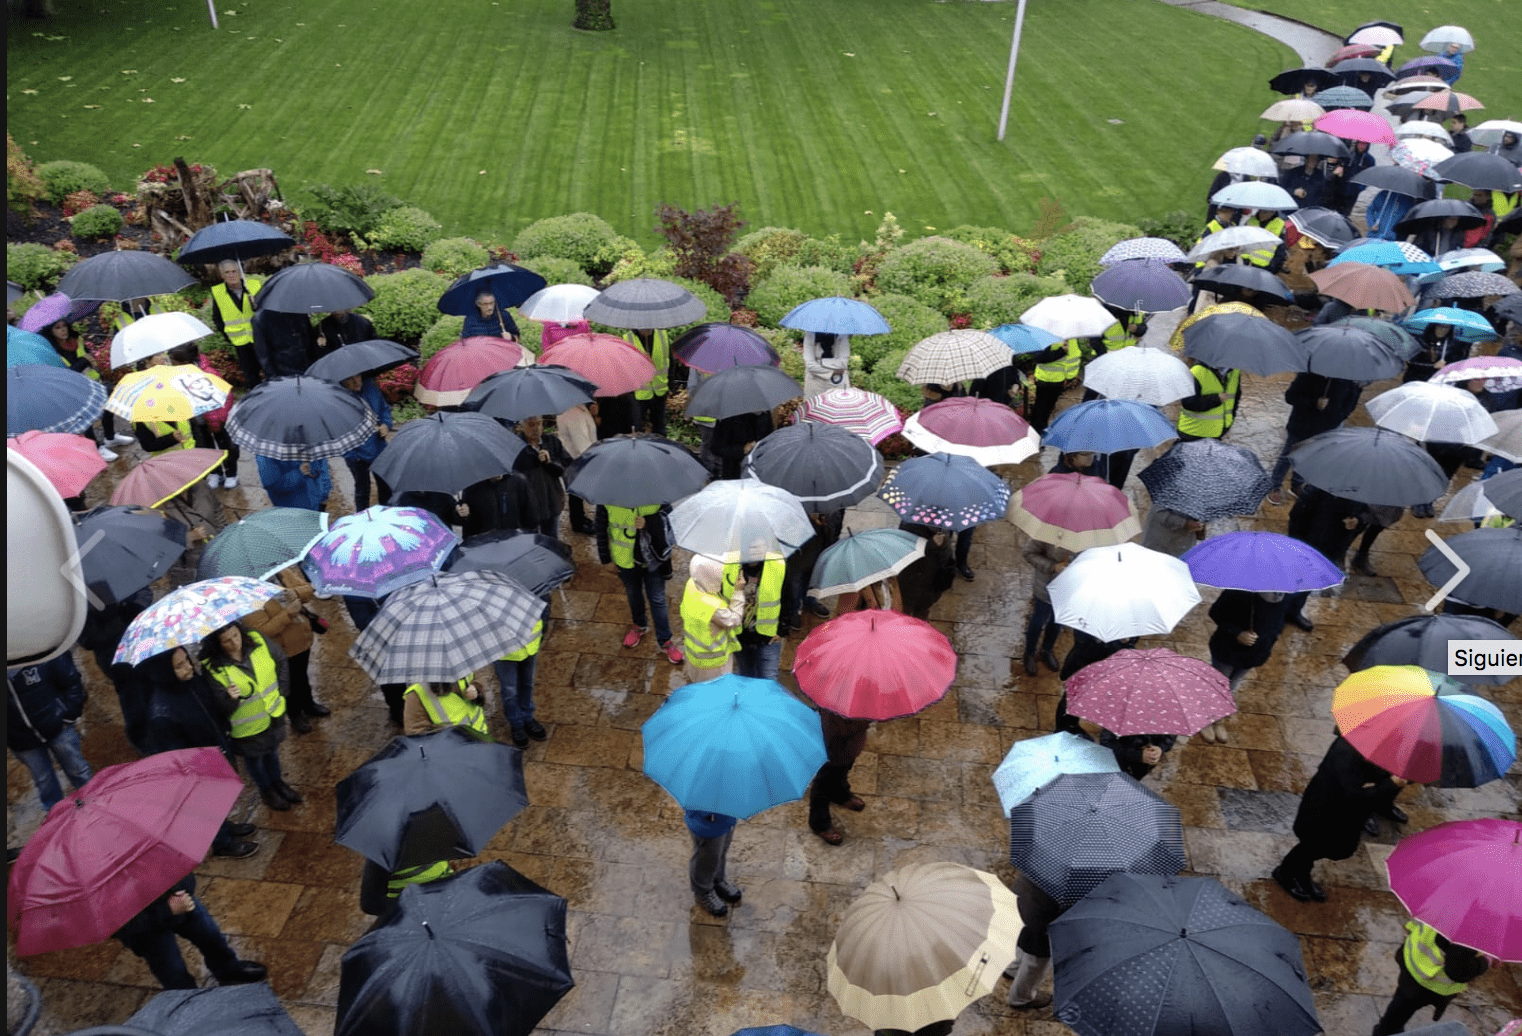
x,y
28,347
946,492
1024,338
1398,257
1471,327
837,315
1108,426
1036,761
1263,562
1140,286
509,284
860,560
47,399
774,1030
733,745
1344,97
236,239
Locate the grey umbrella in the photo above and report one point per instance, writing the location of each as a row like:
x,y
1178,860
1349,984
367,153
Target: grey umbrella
x,y
218,1011
742,390
313,288
1311,142
1238,275
123,275
1481,171
362,358
1236,341
1371,465
445,452
1353,353
645,302
1494,557
1397,179
1423,640
827,467
1472,284
1397,339
1207,480
1328,228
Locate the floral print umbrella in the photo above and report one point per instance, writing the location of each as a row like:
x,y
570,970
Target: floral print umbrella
x,y
190,614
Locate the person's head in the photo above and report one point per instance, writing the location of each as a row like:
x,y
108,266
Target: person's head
x,y
1450,222
1310,88
1259,141
226,642
1311,162
706,573
188,353
1481,199
340,313
1509,140
1080,460
183,665
531,428
354,382
1271,596
1458,122
486,303
934,393
60,331
231,273
1360,146
1451,49
1226,214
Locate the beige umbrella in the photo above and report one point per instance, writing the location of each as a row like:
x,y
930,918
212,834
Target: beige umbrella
x,y
922,943
1296,109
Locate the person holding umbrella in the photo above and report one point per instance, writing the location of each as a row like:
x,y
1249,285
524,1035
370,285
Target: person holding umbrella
x,y
340,328
1138,754
1328,523
489,319
359,459
1041,628
1308,184
254,674
232,314
771,613
637,542
285,343
60,333
151,935
1210,411
1055,367
710,621
1247,626
844,739
542,465
433,706
1170,531
1433,971
515,683
650,398
290,625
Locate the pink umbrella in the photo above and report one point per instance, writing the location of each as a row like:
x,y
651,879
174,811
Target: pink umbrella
x,y
1074,511
46,312
158,480
875,664
867,414
1150,692
1500,373
68,461
612,363
1464,878
454,370
987,431
1351,124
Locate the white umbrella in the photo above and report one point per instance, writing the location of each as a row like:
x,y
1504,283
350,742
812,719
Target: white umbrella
x,y
1438,39
1423,128
1069,316
1491,131
1296,109
153,334
741,520
1469,504
1429,412
1420,154
558,303
1123,591
1415,85
1377,36
1247,161
1507,442
1153,376
950,357
1232,237
1482,259
1255,194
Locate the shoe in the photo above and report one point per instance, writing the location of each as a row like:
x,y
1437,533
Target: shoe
x,y
291,794
241,830
1049,658
106,453
728,892
520,739
1316,891
817,607
230,482
1371,827
1030,665
1035,1003
1276,497
1220,733
1422,511
831,835
633,636
854,804
1209,734
966,572
300,723
237,851
214,481
274,800
318,710
1294,888
713,904
534,729
243,972
673,653
1301,621
120,439
1361,565
1394,814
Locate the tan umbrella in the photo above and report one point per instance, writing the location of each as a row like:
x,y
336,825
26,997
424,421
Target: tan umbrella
x,y
1364,287
922,943
1296,109
954,356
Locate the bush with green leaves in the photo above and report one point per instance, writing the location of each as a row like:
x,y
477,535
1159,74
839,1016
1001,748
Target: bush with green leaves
x,y
911,321
1074,253
97,221
936,270
454,256
405,229
614,252
718,309
771,247
556,271
884,380
61,179
22,185
659,263
354,209
36,267
830,252
586,239
446,329
1000,300
405,304
1013,254
1180,227
790,286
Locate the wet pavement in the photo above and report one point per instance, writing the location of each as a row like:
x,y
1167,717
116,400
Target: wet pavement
x,y
647,962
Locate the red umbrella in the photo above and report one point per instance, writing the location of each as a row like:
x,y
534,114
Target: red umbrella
x,y
875,665
454,370
1351,51
68,461
111,848
1150,692
159,479
988,432
615,365
1074,511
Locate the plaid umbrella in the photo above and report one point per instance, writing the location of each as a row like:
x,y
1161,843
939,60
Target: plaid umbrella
x,y
864,413
645,302
741,520
1472,284
378,550
263,543
951,357
946,492
828,468
445,452
1037,761
1264,562
160,479
50,399
1343,98
451,373
1346,351
1152,376
446,627
1494,557
69,462
525,392
716,347
1207,480
857,561
1370,465
1150,692
300,418
742,390
836,315
1108,426
988,432
1158,248
167,394
1431,412
25,347
1074,511
608,361
191,614
123,549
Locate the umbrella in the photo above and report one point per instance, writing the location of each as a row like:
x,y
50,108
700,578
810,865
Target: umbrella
x,y
117,845
715,347
1247,161
1023,338
951,357
1294,80
1297,109
863,413
1199,959
1311,142
1037,761
857,561
313,288
1399,257
507,283
741,520
1422,640
263,543
362,359
444,628
1356,125
1342,98
1438,40
24,348
540,563
1152,376
50,399
1430,412
1494,557
1449,102
645,302
1500,373
836,315
189,615
609,362
945,491
1501,492
13,292
214,1011
1207,480
121,276
1423,128
378,550
1454,877
236,239
1141,286
1379,34
1395,338
1482,259
122,549
1248,236
524,392
173,393
875,664
1482,171
69,462
1353,50
742,390
417,800
635,471
46,312
1074,511
1397,180
161,478
920,944
1430,214
1236,275
299,418
451,373
1363,71
1108,426
734,746
153,334
824,466
1509,308
1158,249
558,303
1256,194
1263,562
1472,284
1420,155
1123,591
988,432
1490,132
1329,229
1342,351
1363,287
1407,86
1427,64
1237,341
1073,833
482,953
1370,465
1423,726
1069,316
1150,692
446,452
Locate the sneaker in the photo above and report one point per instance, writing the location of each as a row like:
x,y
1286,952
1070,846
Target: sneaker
x,y
106,453
633,636
673,652
711,902
120,439
817,607
214,481
728,892
230,482
241,830
237,851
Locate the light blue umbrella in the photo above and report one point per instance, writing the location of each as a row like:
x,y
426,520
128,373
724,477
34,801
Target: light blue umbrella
x,y
1399,257
1264,562
863,559
774,1030
1024,338
734,745
1471,327
27,347
1108,426
1037,761
836,315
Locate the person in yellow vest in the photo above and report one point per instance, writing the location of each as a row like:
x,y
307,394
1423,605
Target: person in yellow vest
x,y
232,314
1432,972
1269,257
711,621
427,707
770,615
254,673
637,542
380,888
650,398
515,681
1055,367
1209,413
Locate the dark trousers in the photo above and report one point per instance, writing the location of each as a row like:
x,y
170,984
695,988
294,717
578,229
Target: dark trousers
x,y
1120,467
1410,996
640,583
222,441
299,700
832,786
1042,624
652,410
551,526
360,469
248,362
1047,394
395,694
964,546
577,508
264,770
161,952
1297,863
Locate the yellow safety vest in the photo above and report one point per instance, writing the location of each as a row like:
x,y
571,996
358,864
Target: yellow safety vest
x,y
660,355
259,698
764,609
237,321
1118,336
420,875
1265,255
1213,227
705,648
1424,960
1065,368
452,710
1212,423
169,428
89,372
621,532
529,649
1502,204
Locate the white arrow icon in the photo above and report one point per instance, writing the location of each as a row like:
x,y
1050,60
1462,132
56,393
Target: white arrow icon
x,y
1458,577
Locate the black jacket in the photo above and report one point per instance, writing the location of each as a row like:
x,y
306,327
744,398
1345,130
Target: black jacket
x,y
1336,802
284,342
497,504
41,701
546,495
1236,611
342,331
183,713
1317,520
1305,417
1128,749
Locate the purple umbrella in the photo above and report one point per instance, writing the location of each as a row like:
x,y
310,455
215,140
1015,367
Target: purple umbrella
x,y
378,550
717,347
1141,286
1264,562
46,312
1428,64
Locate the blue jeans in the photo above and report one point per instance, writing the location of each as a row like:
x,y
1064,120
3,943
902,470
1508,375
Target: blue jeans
x,y
640,583
1234,674
264,769
1283,464
65,748
1042,621
161,952
516,680
762,661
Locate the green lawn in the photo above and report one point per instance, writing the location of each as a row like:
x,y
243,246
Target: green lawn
x,y
816,114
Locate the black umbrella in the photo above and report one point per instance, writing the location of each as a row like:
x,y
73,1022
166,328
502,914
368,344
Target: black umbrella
x,y
482,953
1494,557
540,563
1237,341
645,302
1364,73
1311,142
235,239
300,418
1472,284
1482,171
1371,465
510,285
1398,180
742,390
123,549
1510,308
313,288
827,467
1425,215
1397,339
1345,351
1294,80
524,392
635,471
1392,26
1150,955
1423,640
1240,276
445,452
1207,480
362,358
123,275
1328,228
251,1010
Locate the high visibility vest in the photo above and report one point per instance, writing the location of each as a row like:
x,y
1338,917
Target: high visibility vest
x,y
420,875
237,321
529,649
1119,335
660,355
1424,960
764,608
169,428
452,710
1212,423
259,698
705,647
1265,255
621,532
1502,204
81,354
1065,368
1215,226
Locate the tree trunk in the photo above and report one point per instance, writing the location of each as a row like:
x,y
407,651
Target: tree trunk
x,y
595,15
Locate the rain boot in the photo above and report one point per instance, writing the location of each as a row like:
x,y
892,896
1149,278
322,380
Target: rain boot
x,y
1030,972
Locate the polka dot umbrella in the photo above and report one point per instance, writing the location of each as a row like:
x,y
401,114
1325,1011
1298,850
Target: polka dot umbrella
x,y
1155,691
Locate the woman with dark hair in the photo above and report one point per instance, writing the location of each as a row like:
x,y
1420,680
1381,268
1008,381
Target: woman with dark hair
x,y
255,676
61,335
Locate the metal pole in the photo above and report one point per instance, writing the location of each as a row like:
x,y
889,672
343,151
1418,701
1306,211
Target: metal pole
x,y
1009,79
211,6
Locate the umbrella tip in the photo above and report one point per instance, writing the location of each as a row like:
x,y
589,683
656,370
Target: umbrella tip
x,y
895,892
427,928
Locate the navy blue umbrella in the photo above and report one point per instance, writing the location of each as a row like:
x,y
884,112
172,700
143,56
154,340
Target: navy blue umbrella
x,y
943,491
510,285
539,563
217,1011
41,398
1108,426
1140,286
235,239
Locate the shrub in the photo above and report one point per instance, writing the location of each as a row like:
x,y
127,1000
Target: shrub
x,y
446,329
828,252
77,202
61,179
582,237
910,320
885,382
718,309
454,256
405,229
23,187
36,267
789,286
397,383
701,242
871,255
1013,254
771,247
557,271
1180,227
405,304
659,263
97,221
349,209
1074,253
935,270
1000,300
618,250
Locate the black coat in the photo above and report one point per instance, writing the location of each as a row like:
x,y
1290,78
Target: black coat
x,y
546,495
286,343
101,634
341,331
1343,794
1236,611
1088,649
1317,520
183,713
1128,750
41,701
499,504
1305,417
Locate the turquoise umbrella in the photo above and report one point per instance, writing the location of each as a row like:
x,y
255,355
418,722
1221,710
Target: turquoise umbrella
x,y
263,543
865,558
1471,327
25,347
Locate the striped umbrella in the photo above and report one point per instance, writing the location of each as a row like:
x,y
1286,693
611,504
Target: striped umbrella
x,y
645,302
50,399
263,543
1343,98
68,461
866,414
950,357
451,373
1074,511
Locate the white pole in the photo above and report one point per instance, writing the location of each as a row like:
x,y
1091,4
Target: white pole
x,y
1009,79
211,5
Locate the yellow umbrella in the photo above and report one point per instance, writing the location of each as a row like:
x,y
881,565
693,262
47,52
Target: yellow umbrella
x,y
167,393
